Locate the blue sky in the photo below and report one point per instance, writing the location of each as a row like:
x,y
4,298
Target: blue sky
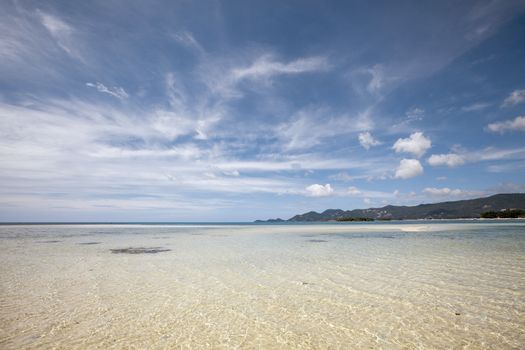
x,y
243,110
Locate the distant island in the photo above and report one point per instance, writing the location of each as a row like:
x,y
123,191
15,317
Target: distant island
x,y
507,205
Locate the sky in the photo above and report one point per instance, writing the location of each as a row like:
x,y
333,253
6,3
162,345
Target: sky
x,y
243,110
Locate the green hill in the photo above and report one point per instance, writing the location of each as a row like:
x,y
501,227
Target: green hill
x,y
471,208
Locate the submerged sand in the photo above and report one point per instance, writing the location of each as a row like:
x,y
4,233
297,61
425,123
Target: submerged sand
x,y
420,285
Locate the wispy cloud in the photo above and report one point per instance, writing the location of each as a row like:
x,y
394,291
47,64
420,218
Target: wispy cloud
x,y
187,39
345,177
310,126
478,106
224,75
516,124
451,160
267,66
415,114
487,154
508,167
62,32
367,140
377,78
136,151
492,153
115,91
447,192
508,187
515,97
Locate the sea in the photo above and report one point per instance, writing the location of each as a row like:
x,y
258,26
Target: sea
x,y
380,285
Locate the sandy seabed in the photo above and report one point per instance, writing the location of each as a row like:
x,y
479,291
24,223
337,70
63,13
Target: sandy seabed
x,y
391,286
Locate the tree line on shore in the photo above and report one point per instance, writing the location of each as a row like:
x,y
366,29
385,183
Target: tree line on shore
x,y
504,214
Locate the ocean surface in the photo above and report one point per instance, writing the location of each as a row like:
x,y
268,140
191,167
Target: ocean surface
x,y
393,285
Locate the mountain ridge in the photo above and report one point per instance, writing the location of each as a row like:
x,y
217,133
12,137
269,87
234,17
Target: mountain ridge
x,y
461,209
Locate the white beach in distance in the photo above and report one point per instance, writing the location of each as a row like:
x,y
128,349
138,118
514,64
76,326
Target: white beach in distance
x,y
365,285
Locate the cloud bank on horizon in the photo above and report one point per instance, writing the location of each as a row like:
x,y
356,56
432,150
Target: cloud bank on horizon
x,y
229,110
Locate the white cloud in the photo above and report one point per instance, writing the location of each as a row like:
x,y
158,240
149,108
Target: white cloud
x,y
451,160
408,168
516,124
447,192
115,91
416,144
317,190
367,140
514,98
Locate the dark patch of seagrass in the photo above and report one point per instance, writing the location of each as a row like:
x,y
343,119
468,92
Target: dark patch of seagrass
x,y
89,243
48,241
316,241
139,250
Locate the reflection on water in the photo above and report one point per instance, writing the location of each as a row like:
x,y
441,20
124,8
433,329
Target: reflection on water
x,y
272,287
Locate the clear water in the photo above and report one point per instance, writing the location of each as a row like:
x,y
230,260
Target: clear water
x,y
373,285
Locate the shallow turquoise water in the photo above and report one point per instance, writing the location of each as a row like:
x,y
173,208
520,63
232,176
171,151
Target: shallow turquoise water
x,y
375,285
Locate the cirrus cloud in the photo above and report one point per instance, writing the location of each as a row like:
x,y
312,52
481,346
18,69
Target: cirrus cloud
x,y
61,32
115,91
268,66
